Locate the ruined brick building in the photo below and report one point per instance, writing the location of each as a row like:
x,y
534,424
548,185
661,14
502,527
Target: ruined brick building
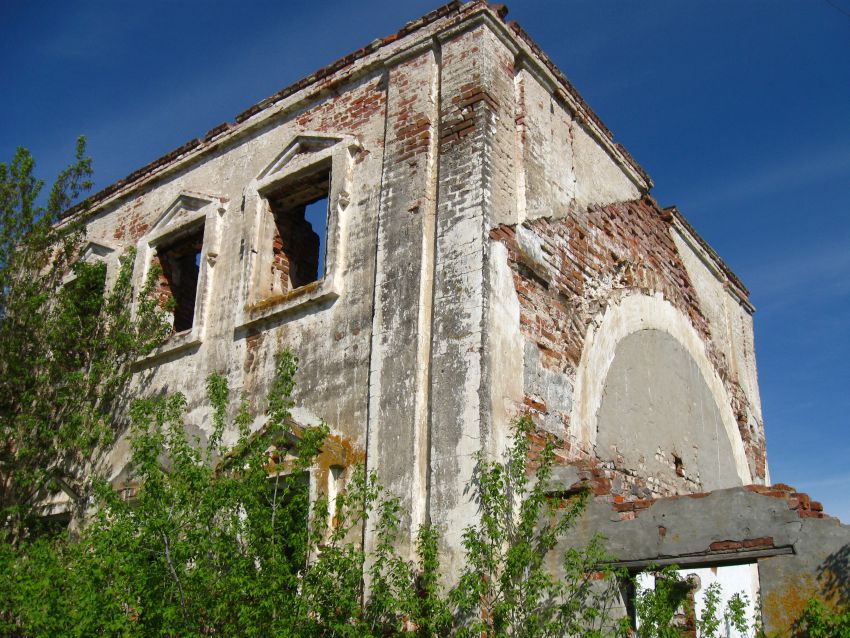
x,y
447,236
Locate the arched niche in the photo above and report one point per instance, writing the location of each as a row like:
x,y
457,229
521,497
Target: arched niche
x,y
647,396
658,417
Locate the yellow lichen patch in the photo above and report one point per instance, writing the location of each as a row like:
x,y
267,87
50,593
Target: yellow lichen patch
x,y
784,603
274,300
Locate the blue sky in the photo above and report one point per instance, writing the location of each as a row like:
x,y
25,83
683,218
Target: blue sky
x,y
738,109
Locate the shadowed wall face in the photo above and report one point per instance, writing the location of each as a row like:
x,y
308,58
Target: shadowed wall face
x,y
659,419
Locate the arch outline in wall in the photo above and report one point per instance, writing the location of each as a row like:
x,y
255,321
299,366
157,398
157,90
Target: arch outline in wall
x,y
625,316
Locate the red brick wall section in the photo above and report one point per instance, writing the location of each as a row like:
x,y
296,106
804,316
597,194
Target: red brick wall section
x,y
161,288
349,111
482,106
594,257
295,251
800,502
134,223
410,135
280,261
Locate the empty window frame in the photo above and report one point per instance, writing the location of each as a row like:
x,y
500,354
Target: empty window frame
x,y
300,211
288,508
179,262
80,304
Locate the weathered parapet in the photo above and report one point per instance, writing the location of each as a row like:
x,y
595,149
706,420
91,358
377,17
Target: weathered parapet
x,y
798,550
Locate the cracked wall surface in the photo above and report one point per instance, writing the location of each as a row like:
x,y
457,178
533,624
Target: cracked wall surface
x,y
491,252
480,221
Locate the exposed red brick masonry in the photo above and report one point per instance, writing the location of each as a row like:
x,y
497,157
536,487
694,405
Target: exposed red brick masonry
x,y
798,502
595,256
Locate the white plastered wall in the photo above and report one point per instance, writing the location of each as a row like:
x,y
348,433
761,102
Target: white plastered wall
x,y
563,168
731,324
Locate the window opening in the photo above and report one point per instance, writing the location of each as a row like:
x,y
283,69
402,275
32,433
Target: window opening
x,y
316,214
180,261
300,210
288,501
81,301
335,473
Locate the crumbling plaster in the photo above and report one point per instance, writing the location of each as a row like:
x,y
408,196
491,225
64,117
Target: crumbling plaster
x,y
563,167
730,317
658,419
489,246
330,336
586,282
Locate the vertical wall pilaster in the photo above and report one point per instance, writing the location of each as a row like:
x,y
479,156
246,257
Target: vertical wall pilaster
x,y
475,192
401,337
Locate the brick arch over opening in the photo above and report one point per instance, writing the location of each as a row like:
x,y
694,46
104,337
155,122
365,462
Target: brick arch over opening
x,y
625,317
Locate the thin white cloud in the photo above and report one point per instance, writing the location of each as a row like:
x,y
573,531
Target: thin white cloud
x,y
801,169
816,271
838,480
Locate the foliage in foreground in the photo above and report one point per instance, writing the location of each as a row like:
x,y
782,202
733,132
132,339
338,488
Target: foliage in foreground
x,y
65,346
507,588
215,543
820,621
223,539
668,610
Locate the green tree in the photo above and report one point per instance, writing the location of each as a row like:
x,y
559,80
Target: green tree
x,y
224,540
819,620
508,588
65,346
216,540
667,610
